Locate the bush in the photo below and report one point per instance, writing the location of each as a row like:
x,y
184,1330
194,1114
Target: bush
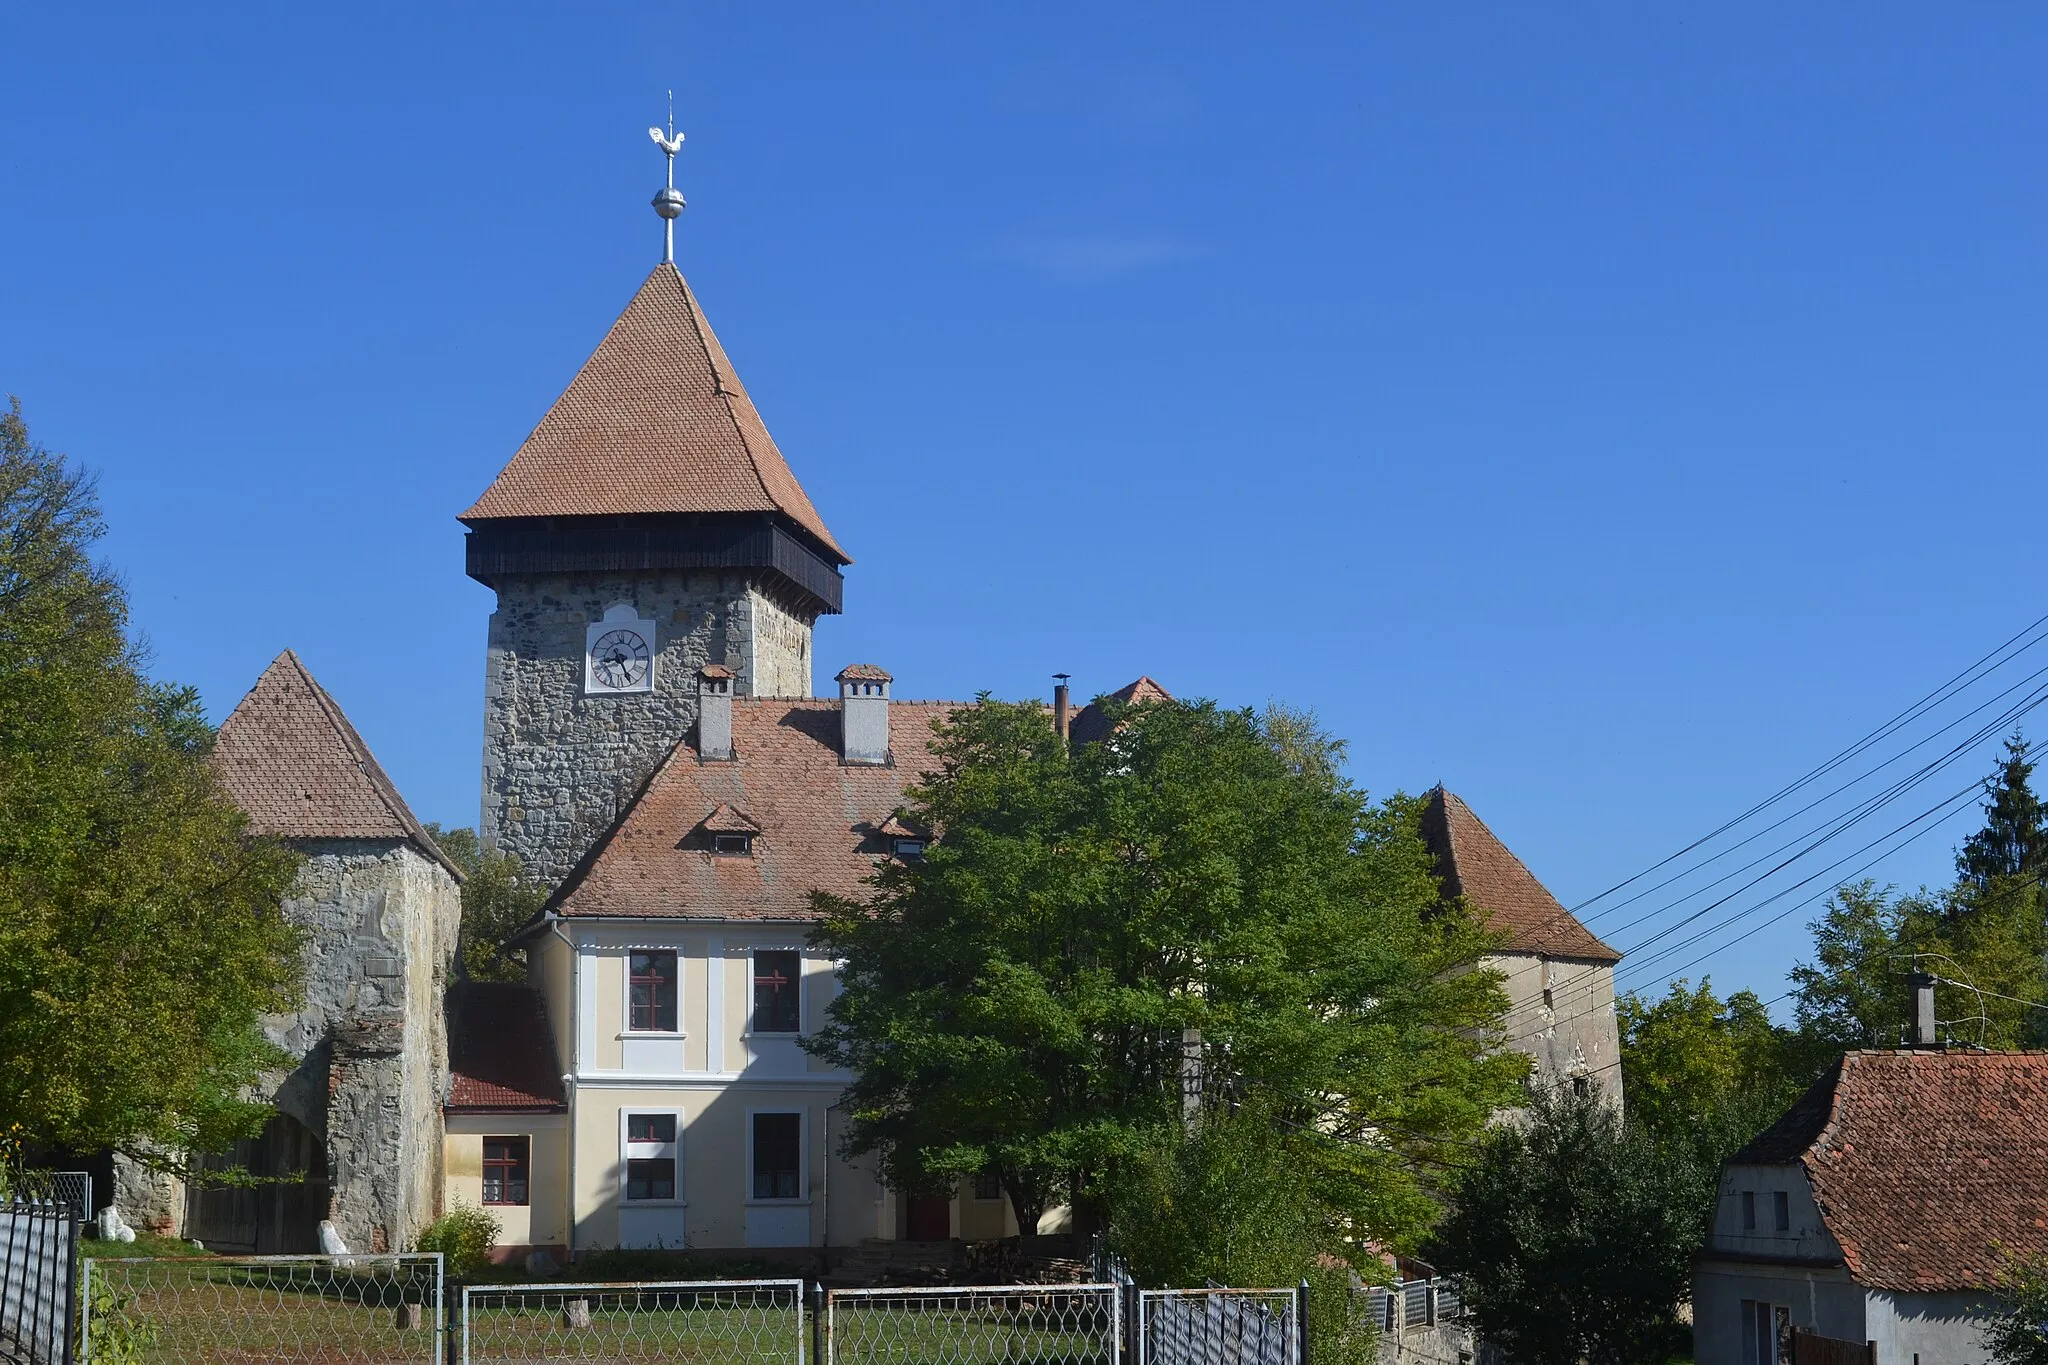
x,y
2018,1333
464,1236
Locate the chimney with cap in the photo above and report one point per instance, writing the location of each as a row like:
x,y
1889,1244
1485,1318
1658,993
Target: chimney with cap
x,y
864,714
1923,1008
714,713
1062,708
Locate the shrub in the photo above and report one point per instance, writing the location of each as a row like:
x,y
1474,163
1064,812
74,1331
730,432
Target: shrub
x,y
464,1236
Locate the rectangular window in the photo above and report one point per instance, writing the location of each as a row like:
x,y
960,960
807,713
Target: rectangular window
x,y
988,1185
778,976
778,1156
1749,1210
505,1167
1781,1211
651,1001
650,1157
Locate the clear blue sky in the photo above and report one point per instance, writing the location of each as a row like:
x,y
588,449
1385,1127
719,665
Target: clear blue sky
x,y
1609,411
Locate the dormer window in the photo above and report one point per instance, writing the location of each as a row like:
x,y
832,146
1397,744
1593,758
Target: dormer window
x,y
728,833
903,840
907,848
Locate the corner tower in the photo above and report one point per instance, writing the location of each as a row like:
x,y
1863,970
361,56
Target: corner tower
x,y
647,528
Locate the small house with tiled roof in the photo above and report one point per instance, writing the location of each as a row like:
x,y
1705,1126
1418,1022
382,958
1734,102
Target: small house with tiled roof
x,y
1881,1208
358,1132
507,1116
1558,976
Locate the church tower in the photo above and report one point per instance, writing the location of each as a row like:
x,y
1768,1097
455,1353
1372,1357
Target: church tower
x,y
647,529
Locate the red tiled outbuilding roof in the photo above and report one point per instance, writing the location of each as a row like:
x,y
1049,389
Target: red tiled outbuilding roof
x,y
290,759
1930,1168
1472,862
1091,724
501,1052
656,422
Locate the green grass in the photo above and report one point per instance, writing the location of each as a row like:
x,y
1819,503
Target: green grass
x,y
145,1244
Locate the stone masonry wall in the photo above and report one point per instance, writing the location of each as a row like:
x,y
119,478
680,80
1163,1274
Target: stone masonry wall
x,y
558,764
1574,1036
383,920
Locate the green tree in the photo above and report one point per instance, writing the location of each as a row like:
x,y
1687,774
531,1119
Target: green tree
x,y
2014,840
2018,1332
1693,1065
1022,998
497,901
1574,1235
141,935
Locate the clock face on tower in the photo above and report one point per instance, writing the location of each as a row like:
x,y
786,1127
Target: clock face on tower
x,y
619,659
618,653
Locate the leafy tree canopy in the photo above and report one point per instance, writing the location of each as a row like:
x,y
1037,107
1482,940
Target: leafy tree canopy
x,y
1696,1067
497,901
1023,998
1575,1236
2017,1333
141,935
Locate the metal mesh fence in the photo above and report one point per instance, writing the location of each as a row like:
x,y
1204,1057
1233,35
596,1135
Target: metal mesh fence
x,y
1218,1327
1013,1324
75,1189
705,1322
322,1310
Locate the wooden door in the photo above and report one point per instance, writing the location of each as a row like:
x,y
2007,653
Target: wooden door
x,y
928,1218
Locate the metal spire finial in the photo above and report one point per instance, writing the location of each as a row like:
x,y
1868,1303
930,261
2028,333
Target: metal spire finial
x,y
669,203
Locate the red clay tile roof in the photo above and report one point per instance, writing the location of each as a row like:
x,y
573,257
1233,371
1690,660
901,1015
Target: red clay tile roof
x,y
1929,1167
501,1052
291,760
864,673
1472,862
726,820
1089,724
894,828
656,421
817,817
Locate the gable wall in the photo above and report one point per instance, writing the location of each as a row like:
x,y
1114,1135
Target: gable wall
x,y
1576,1034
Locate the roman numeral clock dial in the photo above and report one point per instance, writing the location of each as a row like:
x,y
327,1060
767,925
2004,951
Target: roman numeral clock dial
x,y
618,653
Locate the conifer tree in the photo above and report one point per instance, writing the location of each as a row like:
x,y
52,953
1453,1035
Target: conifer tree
x,y
2014,840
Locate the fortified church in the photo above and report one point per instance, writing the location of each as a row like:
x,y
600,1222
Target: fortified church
x,y
653,752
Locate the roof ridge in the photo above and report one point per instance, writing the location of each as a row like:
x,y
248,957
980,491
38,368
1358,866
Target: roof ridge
x,y
700,327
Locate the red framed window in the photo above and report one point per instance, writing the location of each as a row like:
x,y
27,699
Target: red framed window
x,y
506,1163
778,976
651,997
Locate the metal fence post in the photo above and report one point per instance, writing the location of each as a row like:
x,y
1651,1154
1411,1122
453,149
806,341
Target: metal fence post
x,y
817,1298
1301,1320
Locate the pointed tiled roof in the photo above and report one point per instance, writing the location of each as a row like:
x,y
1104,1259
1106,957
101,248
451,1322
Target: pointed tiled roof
x,y
290,759
1472,862
655,422
1090,724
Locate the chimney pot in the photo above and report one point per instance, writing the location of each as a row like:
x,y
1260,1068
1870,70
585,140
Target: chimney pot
x,y
864,714
1923,1008
714,713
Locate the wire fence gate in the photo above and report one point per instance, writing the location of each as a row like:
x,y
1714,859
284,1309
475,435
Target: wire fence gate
x,y
318,1310
1027,1324
38,1290
1219,1326
706,1322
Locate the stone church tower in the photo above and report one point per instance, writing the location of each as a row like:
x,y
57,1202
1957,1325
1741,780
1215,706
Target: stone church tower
x,y
647,528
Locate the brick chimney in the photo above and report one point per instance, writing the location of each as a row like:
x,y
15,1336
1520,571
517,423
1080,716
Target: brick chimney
x,y
714,713
1062,707
863,714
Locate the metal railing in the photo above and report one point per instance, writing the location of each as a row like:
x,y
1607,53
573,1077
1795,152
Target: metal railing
x,y
75,1189
705,1322
38,1290
1411,1304
334,1310
1036,1324
1219,1327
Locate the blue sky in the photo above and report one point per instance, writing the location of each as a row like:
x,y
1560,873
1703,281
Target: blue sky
x,y
1610,412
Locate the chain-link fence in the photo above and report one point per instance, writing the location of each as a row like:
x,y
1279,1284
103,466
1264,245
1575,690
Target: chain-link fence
x,y
320,1310
1074,1324
75,1189
1219,1327
705,1322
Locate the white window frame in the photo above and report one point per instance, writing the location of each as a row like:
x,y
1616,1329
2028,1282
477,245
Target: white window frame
x,y
651,1151
626,1029
803,1155
803,1010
